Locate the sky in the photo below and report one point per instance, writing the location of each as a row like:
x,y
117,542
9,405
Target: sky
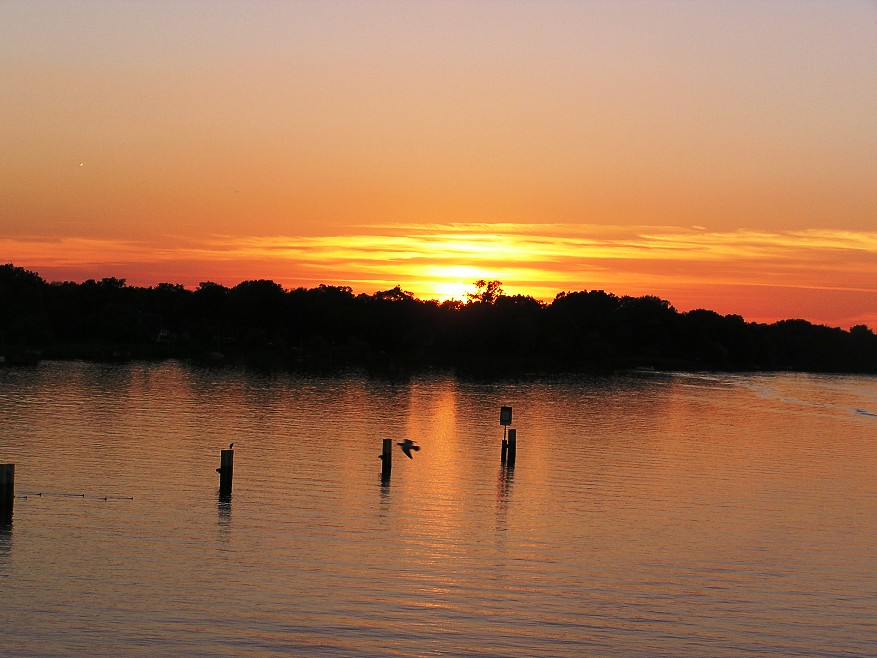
x,y
717,154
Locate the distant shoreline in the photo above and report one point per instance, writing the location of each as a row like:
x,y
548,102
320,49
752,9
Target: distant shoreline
x,y
327,328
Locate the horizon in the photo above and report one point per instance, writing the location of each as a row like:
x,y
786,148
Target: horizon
x,y
717,155
462,296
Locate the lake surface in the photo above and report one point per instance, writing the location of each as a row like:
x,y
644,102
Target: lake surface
x,y
647,514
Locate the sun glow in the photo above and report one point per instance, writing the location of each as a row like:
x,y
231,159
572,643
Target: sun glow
x,y
451,283
451,291
761,275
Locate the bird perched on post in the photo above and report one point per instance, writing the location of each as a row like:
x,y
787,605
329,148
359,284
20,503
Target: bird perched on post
x,y
231,445
407,446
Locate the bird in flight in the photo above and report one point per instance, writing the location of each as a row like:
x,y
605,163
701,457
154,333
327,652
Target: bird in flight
x,y
407,446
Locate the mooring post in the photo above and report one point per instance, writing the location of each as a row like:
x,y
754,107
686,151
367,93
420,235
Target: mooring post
x,y
7,490
513,447
386,459
226,471
505,419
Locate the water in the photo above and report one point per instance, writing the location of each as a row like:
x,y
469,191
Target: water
x,y
648,514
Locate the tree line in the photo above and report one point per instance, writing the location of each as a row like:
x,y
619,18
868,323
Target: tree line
x,y
329,327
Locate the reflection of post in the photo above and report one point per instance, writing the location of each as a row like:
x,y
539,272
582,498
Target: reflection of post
x,y
386,460
505,451
513,447
7,490
223,509
5,538
226,471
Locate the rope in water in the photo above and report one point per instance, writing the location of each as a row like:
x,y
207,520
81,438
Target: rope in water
x,y
47,494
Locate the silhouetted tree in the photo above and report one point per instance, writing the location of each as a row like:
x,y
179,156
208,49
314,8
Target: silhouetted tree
x,y
394,295
578,329
328,326
256,312
487,292
23,319
209,300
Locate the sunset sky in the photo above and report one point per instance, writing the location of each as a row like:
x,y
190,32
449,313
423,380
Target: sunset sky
x,y
718,154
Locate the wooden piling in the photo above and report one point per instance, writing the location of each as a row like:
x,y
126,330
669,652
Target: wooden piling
x,y
7,490
386,459
226,471
505,419
512,448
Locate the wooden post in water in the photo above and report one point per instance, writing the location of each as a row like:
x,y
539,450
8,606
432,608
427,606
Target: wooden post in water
x,y
386,460
226,471
513,447
505,419
7,490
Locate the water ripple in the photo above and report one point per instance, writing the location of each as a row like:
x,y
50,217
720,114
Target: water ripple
x,y
662,515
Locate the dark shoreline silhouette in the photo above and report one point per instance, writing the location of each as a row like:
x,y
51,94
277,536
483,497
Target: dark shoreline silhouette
x,y
331,328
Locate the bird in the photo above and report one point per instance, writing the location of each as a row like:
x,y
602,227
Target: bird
x,y
407,446
231,445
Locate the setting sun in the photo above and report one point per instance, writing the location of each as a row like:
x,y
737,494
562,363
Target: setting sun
x,y
450,282
451,291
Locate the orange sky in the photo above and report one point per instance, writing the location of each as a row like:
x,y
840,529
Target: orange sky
x,y
718,154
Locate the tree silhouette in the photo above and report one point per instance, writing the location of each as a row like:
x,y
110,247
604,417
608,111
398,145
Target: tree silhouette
x,y
487,292
260,322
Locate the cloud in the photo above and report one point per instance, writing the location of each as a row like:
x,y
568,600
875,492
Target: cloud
x,y
535,259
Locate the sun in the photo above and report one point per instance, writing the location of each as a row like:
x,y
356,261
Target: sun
x,y
451,290
451,282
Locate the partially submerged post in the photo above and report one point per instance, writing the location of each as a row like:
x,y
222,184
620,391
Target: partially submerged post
x,y
226,471
505,419
7,490
512,448
386,460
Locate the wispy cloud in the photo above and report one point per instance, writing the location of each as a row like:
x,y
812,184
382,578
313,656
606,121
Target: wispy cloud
x,y
431,259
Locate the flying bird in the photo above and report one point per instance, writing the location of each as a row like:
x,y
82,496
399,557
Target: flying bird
x,y
407,446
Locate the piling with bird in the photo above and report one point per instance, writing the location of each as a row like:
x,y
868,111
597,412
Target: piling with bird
x,y
407,445
226,470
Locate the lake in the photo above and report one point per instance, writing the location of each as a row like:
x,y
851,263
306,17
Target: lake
x,y
647,514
